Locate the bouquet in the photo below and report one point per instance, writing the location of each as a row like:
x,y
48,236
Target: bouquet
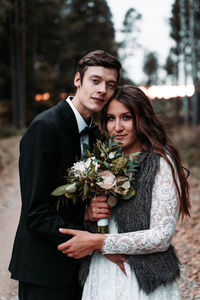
x,y
104,171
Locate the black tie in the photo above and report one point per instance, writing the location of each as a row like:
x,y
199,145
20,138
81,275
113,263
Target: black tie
x,y
89,130
93,133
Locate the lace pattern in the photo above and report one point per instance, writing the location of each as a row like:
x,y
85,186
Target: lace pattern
x,y
164,214
106,281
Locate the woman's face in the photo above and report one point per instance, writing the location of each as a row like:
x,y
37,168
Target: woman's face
x,y
120,122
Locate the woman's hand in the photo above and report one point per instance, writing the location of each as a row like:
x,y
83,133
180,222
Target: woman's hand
x,y
81,244
119,260
97,209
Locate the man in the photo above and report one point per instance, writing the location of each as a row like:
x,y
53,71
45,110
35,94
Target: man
x,y
50,146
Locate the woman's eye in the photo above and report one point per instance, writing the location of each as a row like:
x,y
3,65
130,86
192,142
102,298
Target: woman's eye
x,y
126,117
110,118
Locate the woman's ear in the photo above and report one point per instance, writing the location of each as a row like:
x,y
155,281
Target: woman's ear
x,y
77,80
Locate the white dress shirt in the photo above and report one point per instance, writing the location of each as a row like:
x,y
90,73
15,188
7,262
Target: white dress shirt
x,y
81,124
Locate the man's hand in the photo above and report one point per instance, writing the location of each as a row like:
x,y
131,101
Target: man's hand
x,y
97,209
118,259
81,244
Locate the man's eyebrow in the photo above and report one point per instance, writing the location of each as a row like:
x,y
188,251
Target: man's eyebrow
x,y
95,75
98,76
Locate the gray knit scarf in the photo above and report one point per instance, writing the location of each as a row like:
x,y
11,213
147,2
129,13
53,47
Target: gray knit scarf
x,y
151,270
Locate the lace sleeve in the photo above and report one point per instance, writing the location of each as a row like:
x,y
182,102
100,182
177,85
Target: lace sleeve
x,y
164,214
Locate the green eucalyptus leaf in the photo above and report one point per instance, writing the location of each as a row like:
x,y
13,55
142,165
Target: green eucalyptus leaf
x,y
96,151
112,201
110,144
57,205
71,188
130,194
86,189
68,195
74,198
86,149
59,190
106,164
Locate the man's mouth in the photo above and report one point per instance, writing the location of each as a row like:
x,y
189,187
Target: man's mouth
x,y
98,99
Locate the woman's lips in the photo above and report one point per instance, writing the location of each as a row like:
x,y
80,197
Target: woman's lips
x,y
120,137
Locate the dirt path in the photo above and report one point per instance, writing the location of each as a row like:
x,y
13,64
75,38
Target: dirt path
x,y
186,240
9,212
187,243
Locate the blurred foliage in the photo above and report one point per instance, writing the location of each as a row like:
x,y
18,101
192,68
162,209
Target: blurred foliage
x,y
183,62
8,130
130,32
128,43
171,66
187,140
160,107
150,68
57,34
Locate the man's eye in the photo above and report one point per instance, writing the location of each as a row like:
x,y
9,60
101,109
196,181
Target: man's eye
x,y
95,81
111,86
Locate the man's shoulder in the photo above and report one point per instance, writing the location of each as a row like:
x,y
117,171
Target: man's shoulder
x,y
53,114
53,120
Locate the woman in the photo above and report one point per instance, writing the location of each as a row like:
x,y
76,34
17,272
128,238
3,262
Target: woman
x,y
141,228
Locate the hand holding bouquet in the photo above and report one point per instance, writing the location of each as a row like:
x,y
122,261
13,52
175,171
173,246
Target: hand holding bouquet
x,y
104,171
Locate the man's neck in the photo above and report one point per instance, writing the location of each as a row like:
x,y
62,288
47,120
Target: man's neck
x,y
86,114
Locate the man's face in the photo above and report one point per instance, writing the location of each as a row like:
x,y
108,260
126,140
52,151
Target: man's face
x,y
93,93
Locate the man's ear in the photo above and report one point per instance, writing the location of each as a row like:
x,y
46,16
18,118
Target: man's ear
x,y
77,80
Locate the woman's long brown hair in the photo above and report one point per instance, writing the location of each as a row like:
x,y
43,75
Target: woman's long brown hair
x,y
152,135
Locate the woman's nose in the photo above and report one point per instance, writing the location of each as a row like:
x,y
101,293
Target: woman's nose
x,y
118,125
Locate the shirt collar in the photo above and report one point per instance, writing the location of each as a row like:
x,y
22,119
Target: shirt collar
x,y
80,121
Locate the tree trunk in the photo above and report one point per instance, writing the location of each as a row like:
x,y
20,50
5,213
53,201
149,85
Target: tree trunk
x,y
183,59
22,67
17,44
195,117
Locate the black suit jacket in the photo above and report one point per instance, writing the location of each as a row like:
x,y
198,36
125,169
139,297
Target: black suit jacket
x,y
50,145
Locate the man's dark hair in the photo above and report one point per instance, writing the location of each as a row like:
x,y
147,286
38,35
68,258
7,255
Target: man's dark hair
x,y
98,58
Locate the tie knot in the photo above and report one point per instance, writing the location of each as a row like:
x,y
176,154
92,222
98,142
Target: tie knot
x,y
89,130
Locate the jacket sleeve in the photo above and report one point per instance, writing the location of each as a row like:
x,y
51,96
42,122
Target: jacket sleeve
x,y
38,164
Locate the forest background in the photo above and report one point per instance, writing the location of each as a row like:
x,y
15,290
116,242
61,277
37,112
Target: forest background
x,y
42,40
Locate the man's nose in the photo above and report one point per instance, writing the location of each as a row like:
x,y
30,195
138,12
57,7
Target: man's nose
x,y
102,87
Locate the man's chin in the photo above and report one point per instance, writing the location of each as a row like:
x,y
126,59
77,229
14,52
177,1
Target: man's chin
x,y
98,108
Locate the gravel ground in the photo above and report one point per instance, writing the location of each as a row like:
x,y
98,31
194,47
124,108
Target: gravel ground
x,y
187,243
186,240
9,212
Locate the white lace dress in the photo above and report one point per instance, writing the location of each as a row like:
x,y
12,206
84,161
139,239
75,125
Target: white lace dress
x,y
105,280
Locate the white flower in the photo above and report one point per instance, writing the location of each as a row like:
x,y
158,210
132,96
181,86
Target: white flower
x,y
126,185
108,179
78,167
91,161
81,167
112,154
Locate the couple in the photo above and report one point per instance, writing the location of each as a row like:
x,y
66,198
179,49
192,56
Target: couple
x,y
136,260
